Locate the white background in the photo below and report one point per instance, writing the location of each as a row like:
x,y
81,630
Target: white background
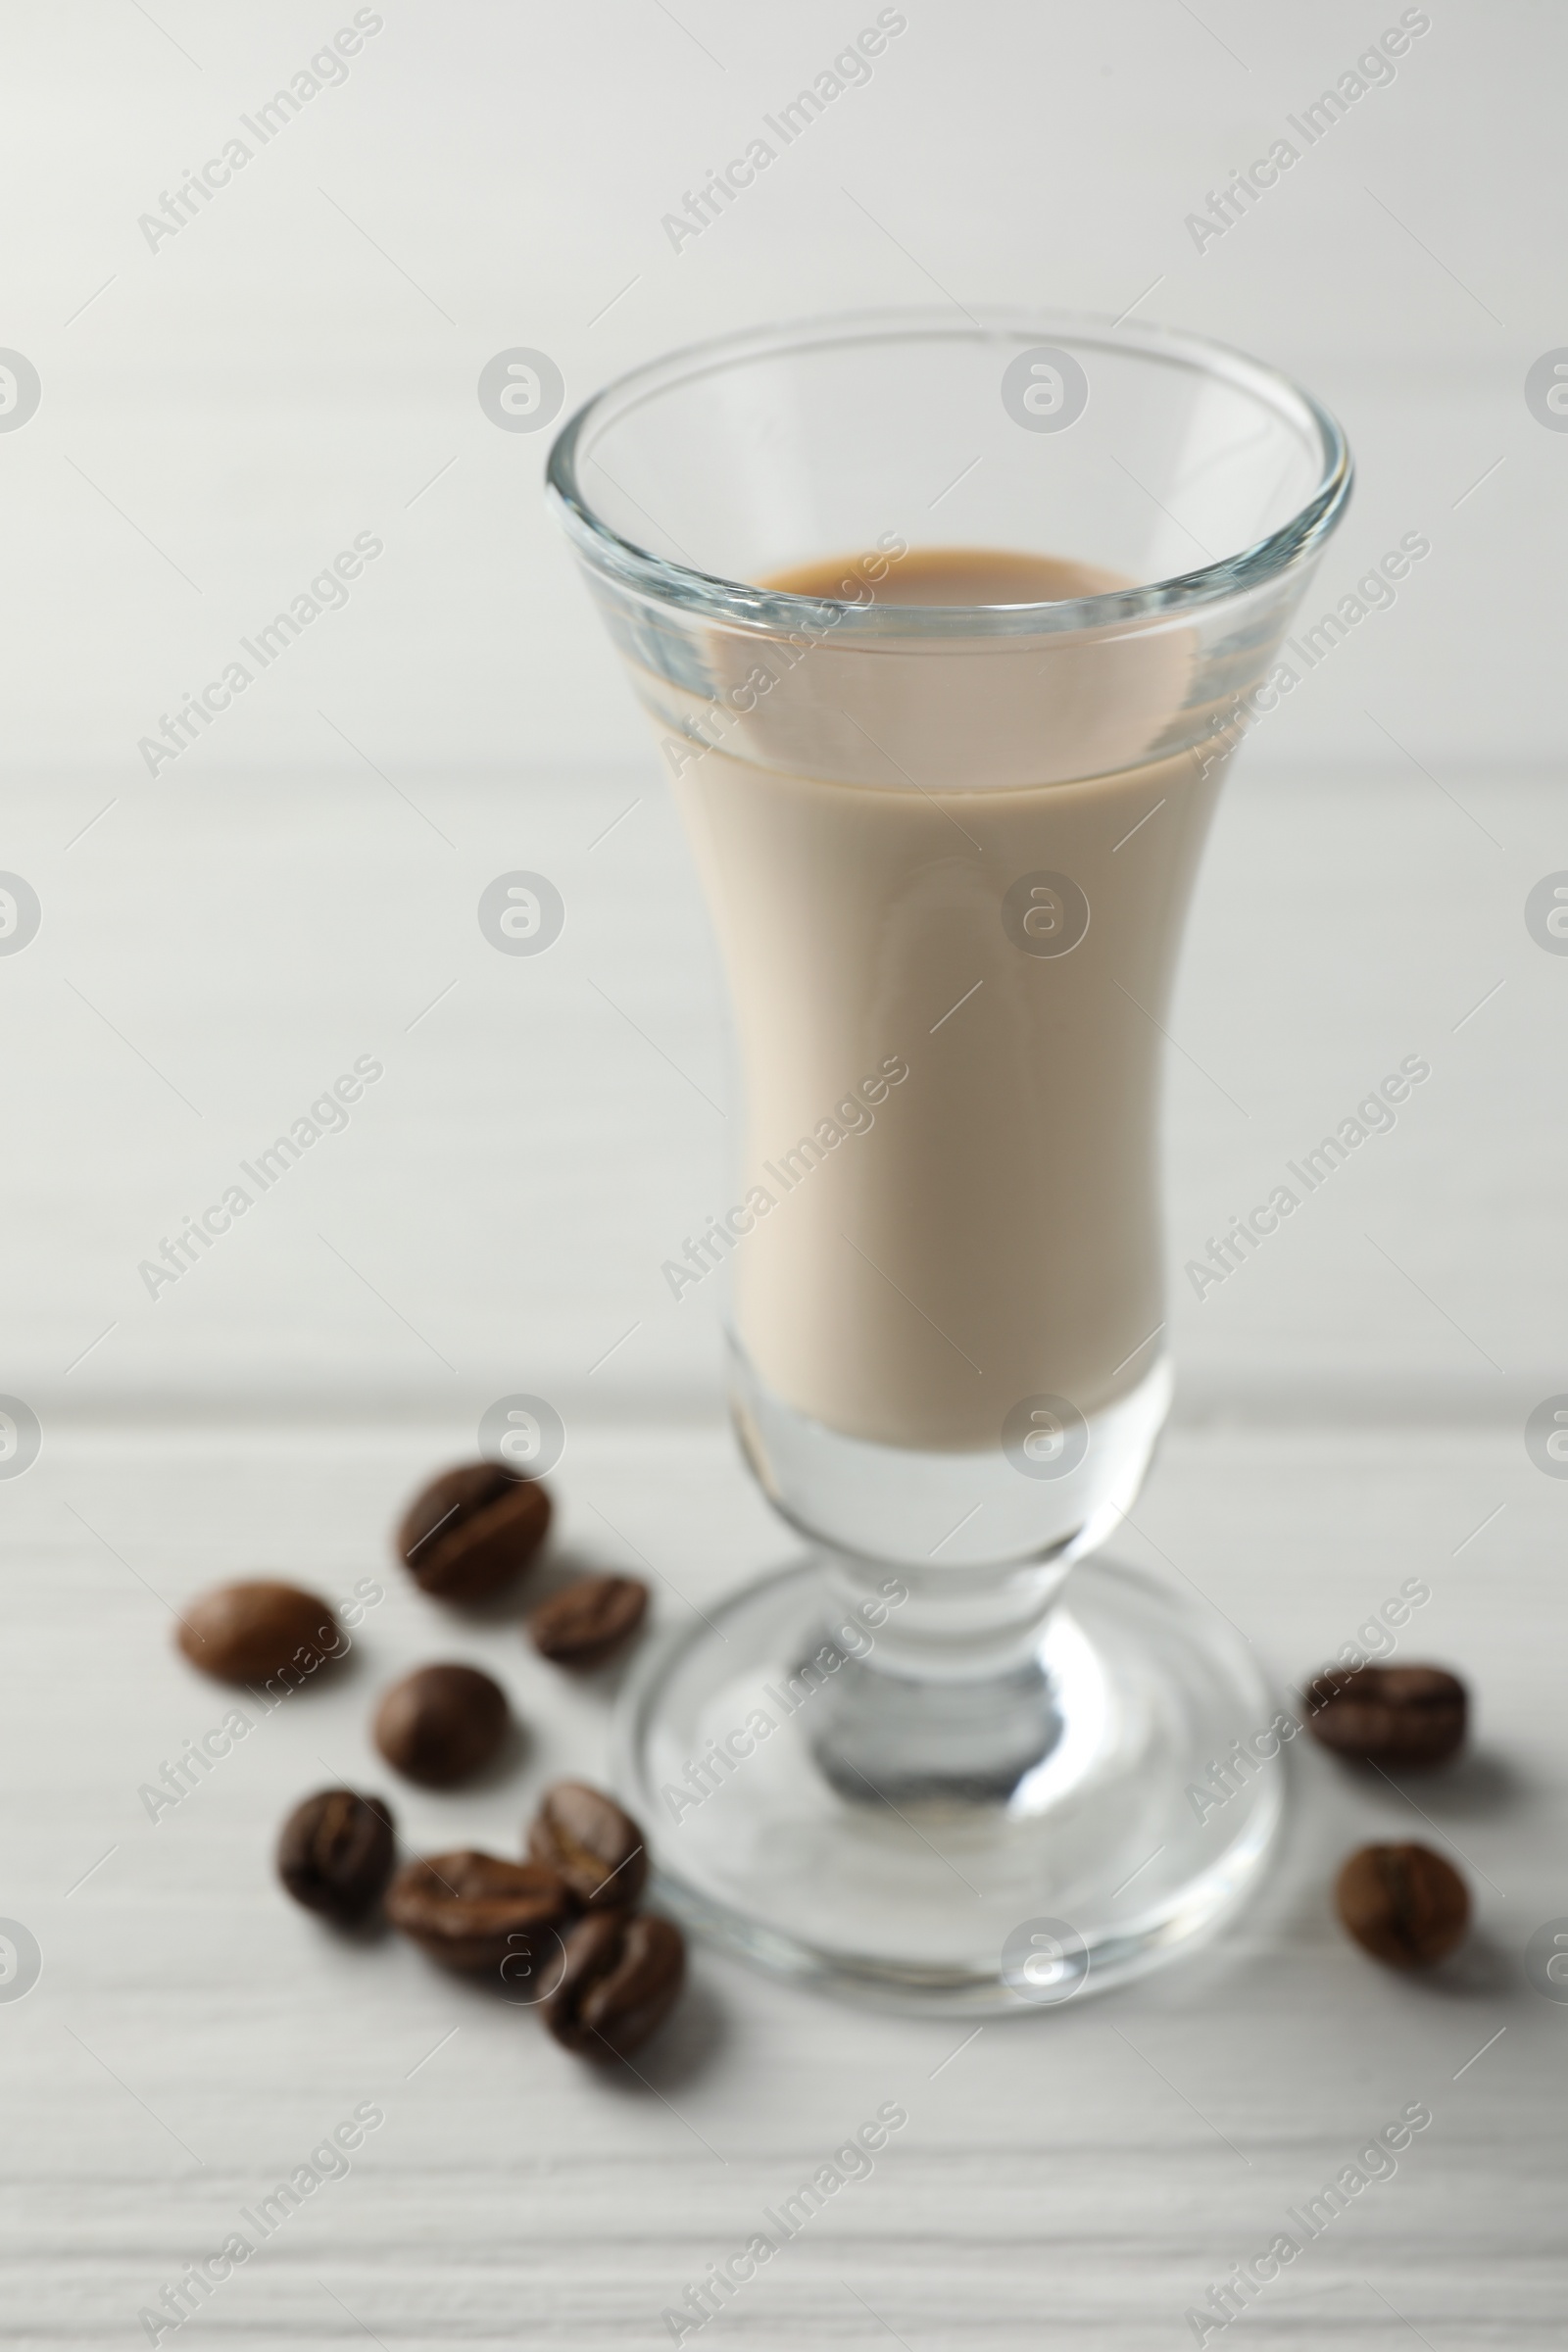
x,y
218,417
268,383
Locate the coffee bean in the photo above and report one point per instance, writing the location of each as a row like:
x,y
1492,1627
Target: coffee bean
x,y
622,1977
250,1633
1409,1716
596,1848
471,1529
475,1911
586,1623
442,1724
1402,1903
335,1853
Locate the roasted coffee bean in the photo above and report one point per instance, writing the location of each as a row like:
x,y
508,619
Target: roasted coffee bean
x,y
335,1853
587,1621
1409,1716
622,1977
596,1848
1402,1903
442,1724
252,1632
471,1529
475,1911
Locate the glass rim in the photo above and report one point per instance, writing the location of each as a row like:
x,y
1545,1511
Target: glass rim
x,y
742,604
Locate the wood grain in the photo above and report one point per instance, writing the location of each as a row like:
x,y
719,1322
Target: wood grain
x,y
1077,2177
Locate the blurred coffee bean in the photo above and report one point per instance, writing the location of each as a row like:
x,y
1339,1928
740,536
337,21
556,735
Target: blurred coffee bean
x,y
596,1848
1403,1904
1409,1716
475,1911
622,1975
442,1724
471,1529
335,1854
587,1621
251,1633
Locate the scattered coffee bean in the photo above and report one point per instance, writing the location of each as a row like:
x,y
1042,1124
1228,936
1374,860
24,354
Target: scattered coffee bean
x,y
474,1911
1403,1904
335,1854
622,1977
442,1724
596,1848
1413,1716
250,1633
471,1529
588,1621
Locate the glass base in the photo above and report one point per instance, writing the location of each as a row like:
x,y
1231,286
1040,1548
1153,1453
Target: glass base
x,y
1041,1492
792,1816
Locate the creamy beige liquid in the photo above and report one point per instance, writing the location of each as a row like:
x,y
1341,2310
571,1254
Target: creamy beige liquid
x,y
986,1228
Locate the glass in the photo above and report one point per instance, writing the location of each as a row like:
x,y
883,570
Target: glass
x,y
947,847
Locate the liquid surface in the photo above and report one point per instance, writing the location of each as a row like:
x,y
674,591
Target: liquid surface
x,y
960,575
940,1245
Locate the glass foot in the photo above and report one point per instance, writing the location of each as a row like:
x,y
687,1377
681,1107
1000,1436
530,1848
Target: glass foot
x,y
795,1816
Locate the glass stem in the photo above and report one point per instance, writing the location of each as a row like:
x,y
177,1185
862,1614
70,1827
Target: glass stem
x,y
940,1690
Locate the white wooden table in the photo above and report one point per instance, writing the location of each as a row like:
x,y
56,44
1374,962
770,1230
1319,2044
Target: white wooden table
x,y
219,415
1350,1414
1083,2175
